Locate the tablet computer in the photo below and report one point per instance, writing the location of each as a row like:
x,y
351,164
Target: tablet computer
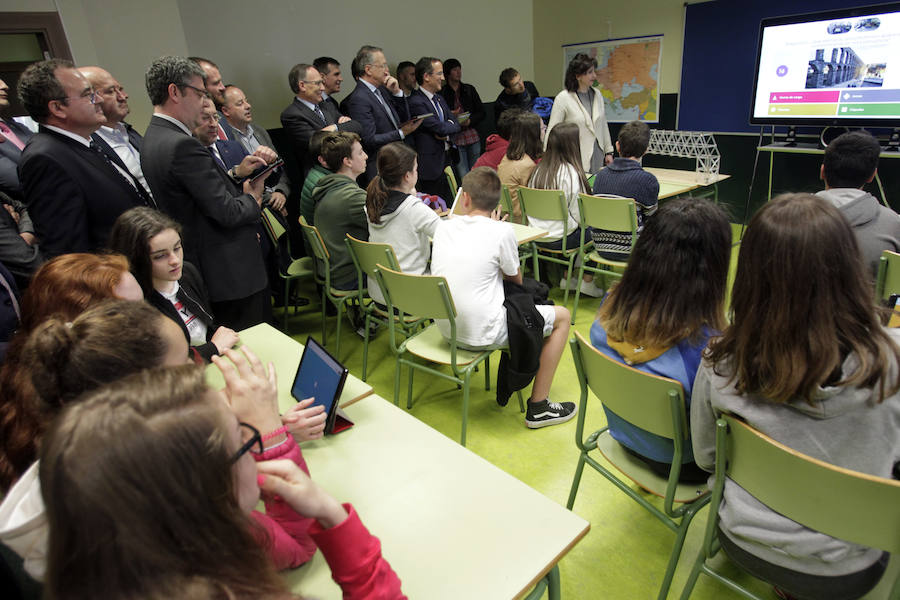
x,y
322,377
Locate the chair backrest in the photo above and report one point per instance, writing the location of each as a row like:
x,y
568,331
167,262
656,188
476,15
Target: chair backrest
x,y
547,205
642,399
888,282
451,180
368,255
315,240
424,296
608,213
272,225
844,504
505,199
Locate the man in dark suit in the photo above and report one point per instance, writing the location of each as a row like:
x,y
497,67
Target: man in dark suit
x,y
117,139
432,139
308,114
73,193
330,69
15,137
377,103
219,220
215,87
239,126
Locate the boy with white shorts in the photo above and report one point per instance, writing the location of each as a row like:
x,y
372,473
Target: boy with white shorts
x,y
475,252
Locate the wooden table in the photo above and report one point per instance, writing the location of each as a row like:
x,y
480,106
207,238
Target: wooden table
x,y
270,345
674,182
527,233
451,524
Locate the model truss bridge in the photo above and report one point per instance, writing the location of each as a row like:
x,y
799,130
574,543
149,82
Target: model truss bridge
x,y
688,144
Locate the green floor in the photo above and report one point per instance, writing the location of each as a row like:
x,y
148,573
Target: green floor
x,y
625,553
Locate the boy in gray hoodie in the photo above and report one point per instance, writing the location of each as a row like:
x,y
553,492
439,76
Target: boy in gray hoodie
x,y
851,162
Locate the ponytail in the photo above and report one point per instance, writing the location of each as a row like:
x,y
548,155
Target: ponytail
x,y
376,196
107,342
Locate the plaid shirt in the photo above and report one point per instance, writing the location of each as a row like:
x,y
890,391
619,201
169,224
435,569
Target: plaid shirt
x,y
467,135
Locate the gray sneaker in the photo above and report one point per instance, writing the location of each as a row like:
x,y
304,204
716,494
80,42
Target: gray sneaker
x,y
546,413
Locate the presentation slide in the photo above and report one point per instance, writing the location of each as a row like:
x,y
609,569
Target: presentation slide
x,y
845,68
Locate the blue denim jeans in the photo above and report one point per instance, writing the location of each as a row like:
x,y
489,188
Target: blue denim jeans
x,y
467,157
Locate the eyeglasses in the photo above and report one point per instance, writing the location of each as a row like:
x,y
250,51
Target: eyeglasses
x,y
320,82
255,440
91,96
203,93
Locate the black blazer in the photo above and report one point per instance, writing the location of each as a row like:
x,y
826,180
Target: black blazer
x,y
10,155
219,221
377,128
135,139
73,195
300,122
429,148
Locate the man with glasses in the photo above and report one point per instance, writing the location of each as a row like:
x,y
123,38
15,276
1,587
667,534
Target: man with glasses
x,y
117,139
73,193
432,140
308,114
219,217
379,106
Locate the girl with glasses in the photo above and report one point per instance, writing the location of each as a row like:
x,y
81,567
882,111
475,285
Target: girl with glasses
x,y
185,527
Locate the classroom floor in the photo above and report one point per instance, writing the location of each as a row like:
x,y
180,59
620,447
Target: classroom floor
x,y
625,553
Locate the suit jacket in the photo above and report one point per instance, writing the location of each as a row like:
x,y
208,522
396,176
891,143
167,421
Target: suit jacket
x,y
219,221
134,138
330,101
377,128
73,195
567,108
432,155
278,181
10,156
300,123
16,254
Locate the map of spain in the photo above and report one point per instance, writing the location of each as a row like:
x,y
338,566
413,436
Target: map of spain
x,y
627,76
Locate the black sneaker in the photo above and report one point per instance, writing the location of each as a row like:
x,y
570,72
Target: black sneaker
x,y
544,413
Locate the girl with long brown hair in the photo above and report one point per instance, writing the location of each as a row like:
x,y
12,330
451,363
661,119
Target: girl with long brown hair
x,y
396,216
659,317
183,528
66,359
560,169
524,150
806,362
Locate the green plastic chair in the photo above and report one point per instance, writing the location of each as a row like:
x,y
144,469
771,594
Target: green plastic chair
x,y
844,504
610,213
655,404
367,256
506,200
300,268
340,298
551,205
428,297
451,181
888,281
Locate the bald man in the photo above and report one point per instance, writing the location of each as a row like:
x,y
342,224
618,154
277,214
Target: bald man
x,y
116,139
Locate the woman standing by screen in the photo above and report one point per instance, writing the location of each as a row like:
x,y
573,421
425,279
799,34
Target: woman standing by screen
x,y
581,103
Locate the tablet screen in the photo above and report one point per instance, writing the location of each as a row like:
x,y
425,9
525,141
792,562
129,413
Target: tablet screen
x,y
319,376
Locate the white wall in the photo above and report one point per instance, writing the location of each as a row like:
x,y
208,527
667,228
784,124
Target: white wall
x,y
122,37
255,45
558,22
